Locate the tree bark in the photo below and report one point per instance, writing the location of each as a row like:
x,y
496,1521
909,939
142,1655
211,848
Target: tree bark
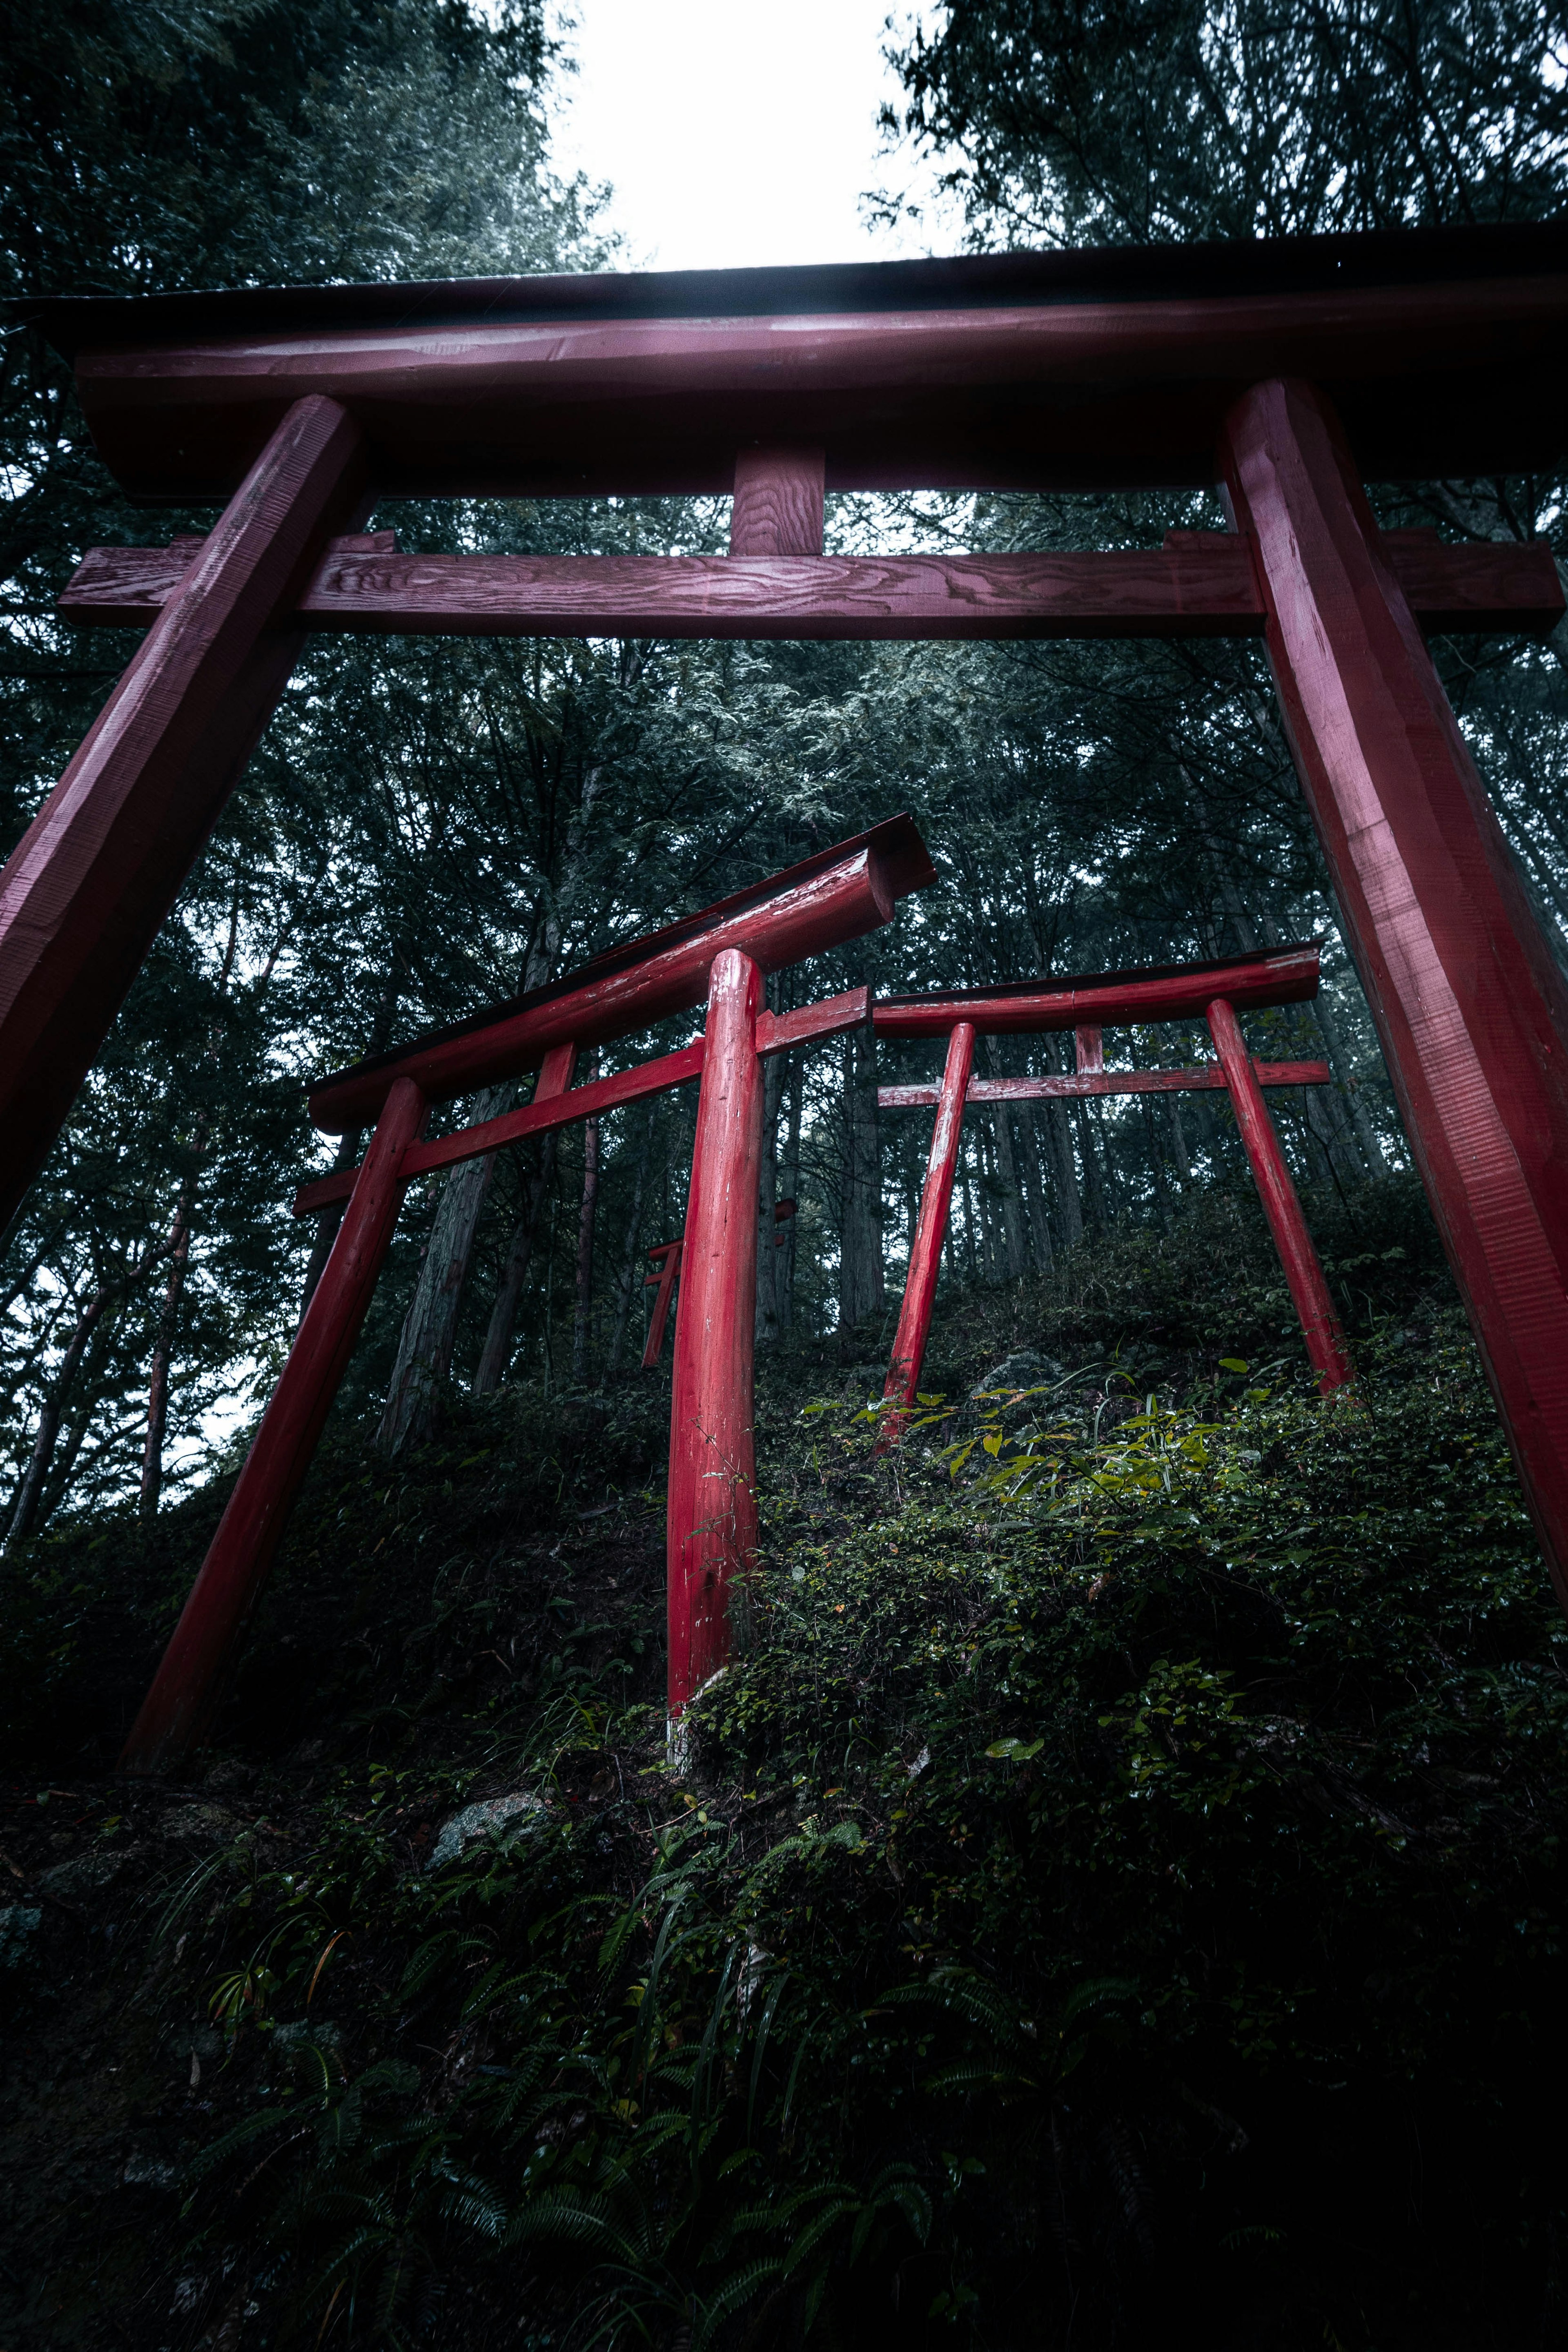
x,y
774,1073
163,1357
1007,1168
430,1327
30,1494
582,1313
861,1275
496,1354
790,1177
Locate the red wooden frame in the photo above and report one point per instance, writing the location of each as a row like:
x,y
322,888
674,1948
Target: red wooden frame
x,y
1285,371
805,910
1284,976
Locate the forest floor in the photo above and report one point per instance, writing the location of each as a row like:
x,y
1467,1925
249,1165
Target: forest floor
x,y
1119,1889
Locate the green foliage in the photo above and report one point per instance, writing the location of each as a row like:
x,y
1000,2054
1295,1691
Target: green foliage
x,y
1138,1808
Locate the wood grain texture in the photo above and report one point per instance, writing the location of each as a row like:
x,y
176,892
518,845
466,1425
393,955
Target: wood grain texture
x,y
1326,1348
831,1016
712,1500
1470,1008
925,1252
1201,584
1178,993
1086,1085
97,871
778,504
177,1712
1067,394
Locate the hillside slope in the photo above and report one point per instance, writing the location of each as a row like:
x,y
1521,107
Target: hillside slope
x,y
1119,1886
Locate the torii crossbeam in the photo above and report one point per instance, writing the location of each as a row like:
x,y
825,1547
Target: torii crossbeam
x,y
722,954
1088,1006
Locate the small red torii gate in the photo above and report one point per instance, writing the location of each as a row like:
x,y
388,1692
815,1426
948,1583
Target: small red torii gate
x,y
1088,1006
1282,373
722,954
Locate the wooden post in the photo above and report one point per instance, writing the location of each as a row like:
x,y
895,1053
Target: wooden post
x,y
1471,1009
99,868
178,1711
1303,1272
925,1252
712,1508
653,1347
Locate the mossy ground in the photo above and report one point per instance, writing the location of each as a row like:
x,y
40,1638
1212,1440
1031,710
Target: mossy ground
x,y
1119,1890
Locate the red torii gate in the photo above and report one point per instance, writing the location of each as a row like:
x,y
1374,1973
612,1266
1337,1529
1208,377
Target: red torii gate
x,y
1282,371
722,953
1088,1006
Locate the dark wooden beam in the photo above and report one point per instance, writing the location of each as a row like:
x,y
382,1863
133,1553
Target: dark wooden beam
x,y
1445,353
1174,992
1200,584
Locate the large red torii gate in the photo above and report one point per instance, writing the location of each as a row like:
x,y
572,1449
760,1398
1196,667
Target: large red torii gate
x,y
724,955
1283,371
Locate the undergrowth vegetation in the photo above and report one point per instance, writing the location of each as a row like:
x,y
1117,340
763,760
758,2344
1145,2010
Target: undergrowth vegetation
x,y
1118,1887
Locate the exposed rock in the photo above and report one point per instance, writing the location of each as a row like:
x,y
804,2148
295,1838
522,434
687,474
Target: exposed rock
x,y
88,1874
198,1824
480,1821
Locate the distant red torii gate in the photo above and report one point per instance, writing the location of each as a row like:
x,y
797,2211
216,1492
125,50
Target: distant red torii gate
x,y
1088,1006
722,954
1283,373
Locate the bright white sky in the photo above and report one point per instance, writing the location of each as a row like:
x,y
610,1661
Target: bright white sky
x,y
738,132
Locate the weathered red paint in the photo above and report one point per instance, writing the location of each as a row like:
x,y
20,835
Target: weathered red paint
x,y
1080,1085
189,1684
1174,992
665,1279
712,1501
1303,1272
1471,1009
1201,584
553,1106
924,1257
837,895
94,874
562,1108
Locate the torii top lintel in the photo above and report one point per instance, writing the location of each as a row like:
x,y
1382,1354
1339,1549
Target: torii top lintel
x,y
1444,351
1285,975
836,895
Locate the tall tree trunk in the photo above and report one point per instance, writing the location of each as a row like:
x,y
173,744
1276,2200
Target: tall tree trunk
x,y
30,1493
582,1313
163,1355
1093,1183
631,1256
768,1233
1051,1125
971,1253
1178,1139
1006,1169
861,1275
430,1327
1157,1165
1371,1150
790,1182
497,1353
